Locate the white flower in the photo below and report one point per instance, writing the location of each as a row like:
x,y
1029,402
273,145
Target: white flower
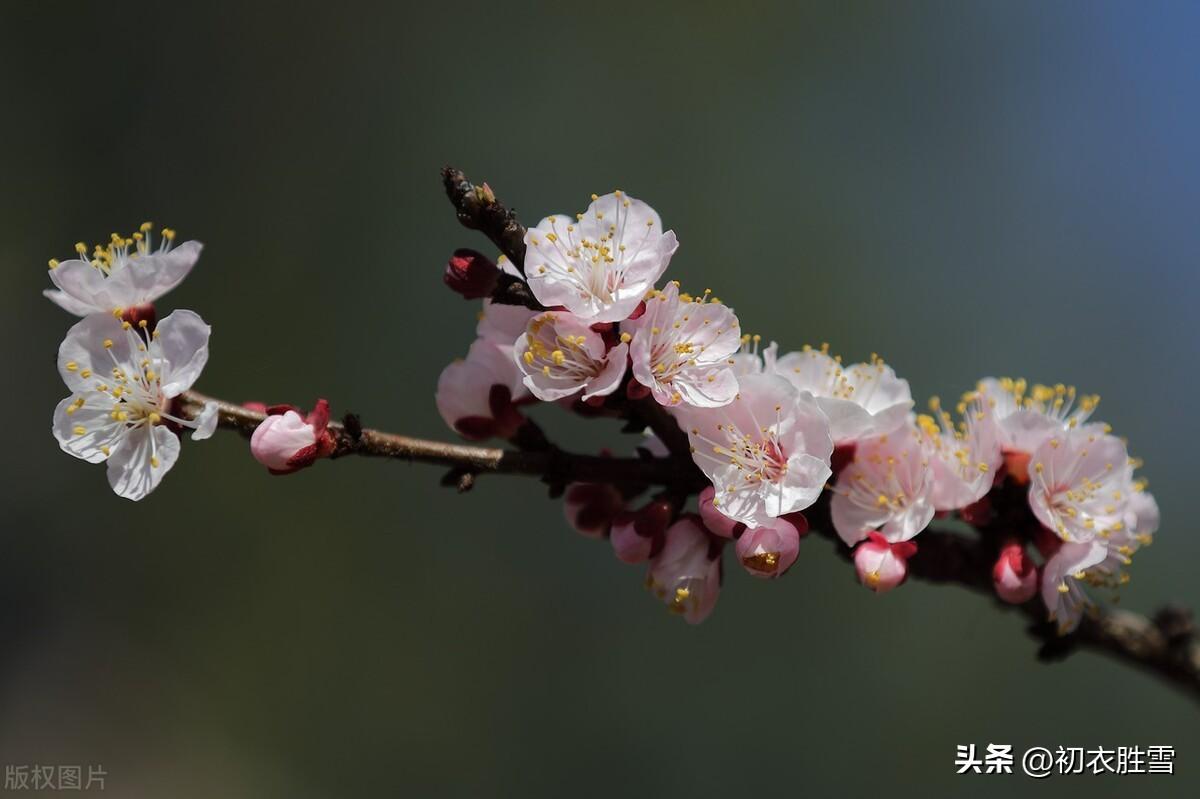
x,y
123,380
560,356
1061,592
1027,417
1079,484
600,265
681,349
861,401
887,488
766,453
129,272
964,458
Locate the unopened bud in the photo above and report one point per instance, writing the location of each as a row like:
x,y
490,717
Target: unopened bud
x,y
769,551
286,442
881,565
1014,575
471,274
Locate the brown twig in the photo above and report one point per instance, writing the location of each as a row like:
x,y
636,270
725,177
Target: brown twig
x,y
549,463
477,208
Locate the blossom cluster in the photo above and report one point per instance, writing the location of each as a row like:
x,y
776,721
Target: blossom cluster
x,y
127,370
124,367
777,434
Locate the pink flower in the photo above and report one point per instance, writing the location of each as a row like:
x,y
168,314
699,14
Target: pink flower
x,y
881,566
1014,575
887,489
863,400
1080,484
476,396
770,551
1028,415
600,264
767,452
636,536
591,507
561,356
286,442
682,348
686,574
471,274
965,457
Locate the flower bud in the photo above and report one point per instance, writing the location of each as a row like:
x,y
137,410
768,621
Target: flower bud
x,y
769,551
286,442
471,274
636,536
1014,575
716,522
591,507
882,566
686,574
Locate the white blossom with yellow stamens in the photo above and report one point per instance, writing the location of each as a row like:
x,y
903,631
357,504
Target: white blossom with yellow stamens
x,y
964,457
862,400
123,378
888,489
1028,415
767,452
1079,484
681,349
128,272
561,356
600,264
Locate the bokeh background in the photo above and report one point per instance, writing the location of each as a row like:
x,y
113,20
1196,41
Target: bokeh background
x,y
967,188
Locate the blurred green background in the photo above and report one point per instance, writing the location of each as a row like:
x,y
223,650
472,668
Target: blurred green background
x,y
967,188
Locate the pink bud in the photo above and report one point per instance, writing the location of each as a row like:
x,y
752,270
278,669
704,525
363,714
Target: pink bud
x,y
591,507
286,442
686,574
1014,575
769,551
882,566
716,522
471,274
636,536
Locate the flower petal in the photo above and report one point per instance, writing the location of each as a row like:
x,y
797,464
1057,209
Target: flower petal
x,y
100,433
183,338
138,465
83,360
147,277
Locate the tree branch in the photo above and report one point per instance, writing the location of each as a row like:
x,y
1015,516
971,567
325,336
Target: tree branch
x,y
549,463
477,208
1164,647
